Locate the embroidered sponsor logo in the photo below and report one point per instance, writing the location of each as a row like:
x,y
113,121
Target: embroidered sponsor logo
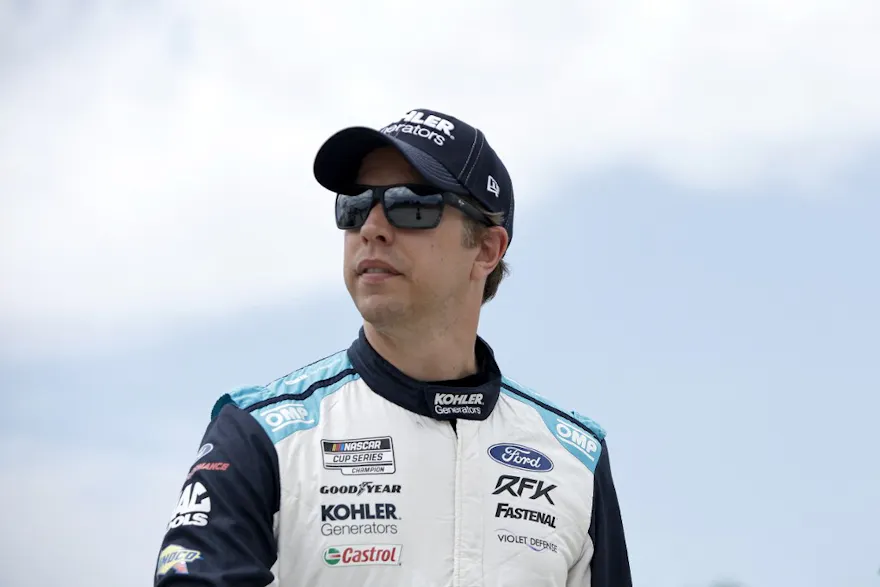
x,y
359,514
505,510
426,126
192,507
365,487
362,554
577,438
536,544
521,457
285,414
212,466
175,558
359,456
204,449
516,486
358,511
458,403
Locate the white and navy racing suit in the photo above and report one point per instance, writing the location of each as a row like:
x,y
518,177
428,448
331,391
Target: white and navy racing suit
x,y
348,472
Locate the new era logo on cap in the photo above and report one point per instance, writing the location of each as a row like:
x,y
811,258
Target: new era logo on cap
x,y
492,187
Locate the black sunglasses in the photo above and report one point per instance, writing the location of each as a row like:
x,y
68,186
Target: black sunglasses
x,y
406,206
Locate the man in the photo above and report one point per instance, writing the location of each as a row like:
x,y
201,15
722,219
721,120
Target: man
x,y
408,458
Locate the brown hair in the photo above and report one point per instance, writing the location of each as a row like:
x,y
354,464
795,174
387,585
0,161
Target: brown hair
x,y
473,233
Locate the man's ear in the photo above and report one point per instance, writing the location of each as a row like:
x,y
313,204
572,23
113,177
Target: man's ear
x,y
492,246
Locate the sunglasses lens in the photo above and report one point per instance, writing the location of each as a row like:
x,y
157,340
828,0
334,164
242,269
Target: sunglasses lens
x,y
352,210
413,207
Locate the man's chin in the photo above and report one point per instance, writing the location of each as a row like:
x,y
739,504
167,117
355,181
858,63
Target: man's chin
x,y
380,309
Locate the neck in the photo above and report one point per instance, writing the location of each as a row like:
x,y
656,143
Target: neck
x,y
436,354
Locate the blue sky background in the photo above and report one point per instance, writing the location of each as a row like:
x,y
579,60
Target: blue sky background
x,y
714,308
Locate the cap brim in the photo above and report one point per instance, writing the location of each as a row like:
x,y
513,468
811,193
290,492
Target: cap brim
x,y
339,159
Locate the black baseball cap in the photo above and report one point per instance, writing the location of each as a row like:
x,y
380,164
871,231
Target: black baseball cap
x,y
450,154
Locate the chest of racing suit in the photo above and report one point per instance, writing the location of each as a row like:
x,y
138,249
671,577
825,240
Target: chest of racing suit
x,y
348,472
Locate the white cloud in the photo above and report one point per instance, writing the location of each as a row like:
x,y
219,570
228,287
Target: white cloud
x,y
155,159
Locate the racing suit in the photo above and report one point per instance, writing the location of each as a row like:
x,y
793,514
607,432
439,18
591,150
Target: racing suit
x,y
348,472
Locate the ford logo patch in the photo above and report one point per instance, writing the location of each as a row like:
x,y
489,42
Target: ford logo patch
x,y
520,457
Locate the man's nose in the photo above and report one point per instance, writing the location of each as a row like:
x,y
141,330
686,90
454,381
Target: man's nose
x,y
376,226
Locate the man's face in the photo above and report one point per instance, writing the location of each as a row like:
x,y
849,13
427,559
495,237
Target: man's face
x,y
423,274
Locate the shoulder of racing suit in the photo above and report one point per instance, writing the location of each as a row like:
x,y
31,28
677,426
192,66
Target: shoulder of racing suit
x,y
292,402
578,434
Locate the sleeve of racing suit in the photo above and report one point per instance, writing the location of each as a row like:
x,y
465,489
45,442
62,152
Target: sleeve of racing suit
x,y
221,533
609,565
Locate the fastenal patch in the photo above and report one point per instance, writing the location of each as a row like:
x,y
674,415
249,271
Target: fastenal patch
x,y
175,558
361,456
